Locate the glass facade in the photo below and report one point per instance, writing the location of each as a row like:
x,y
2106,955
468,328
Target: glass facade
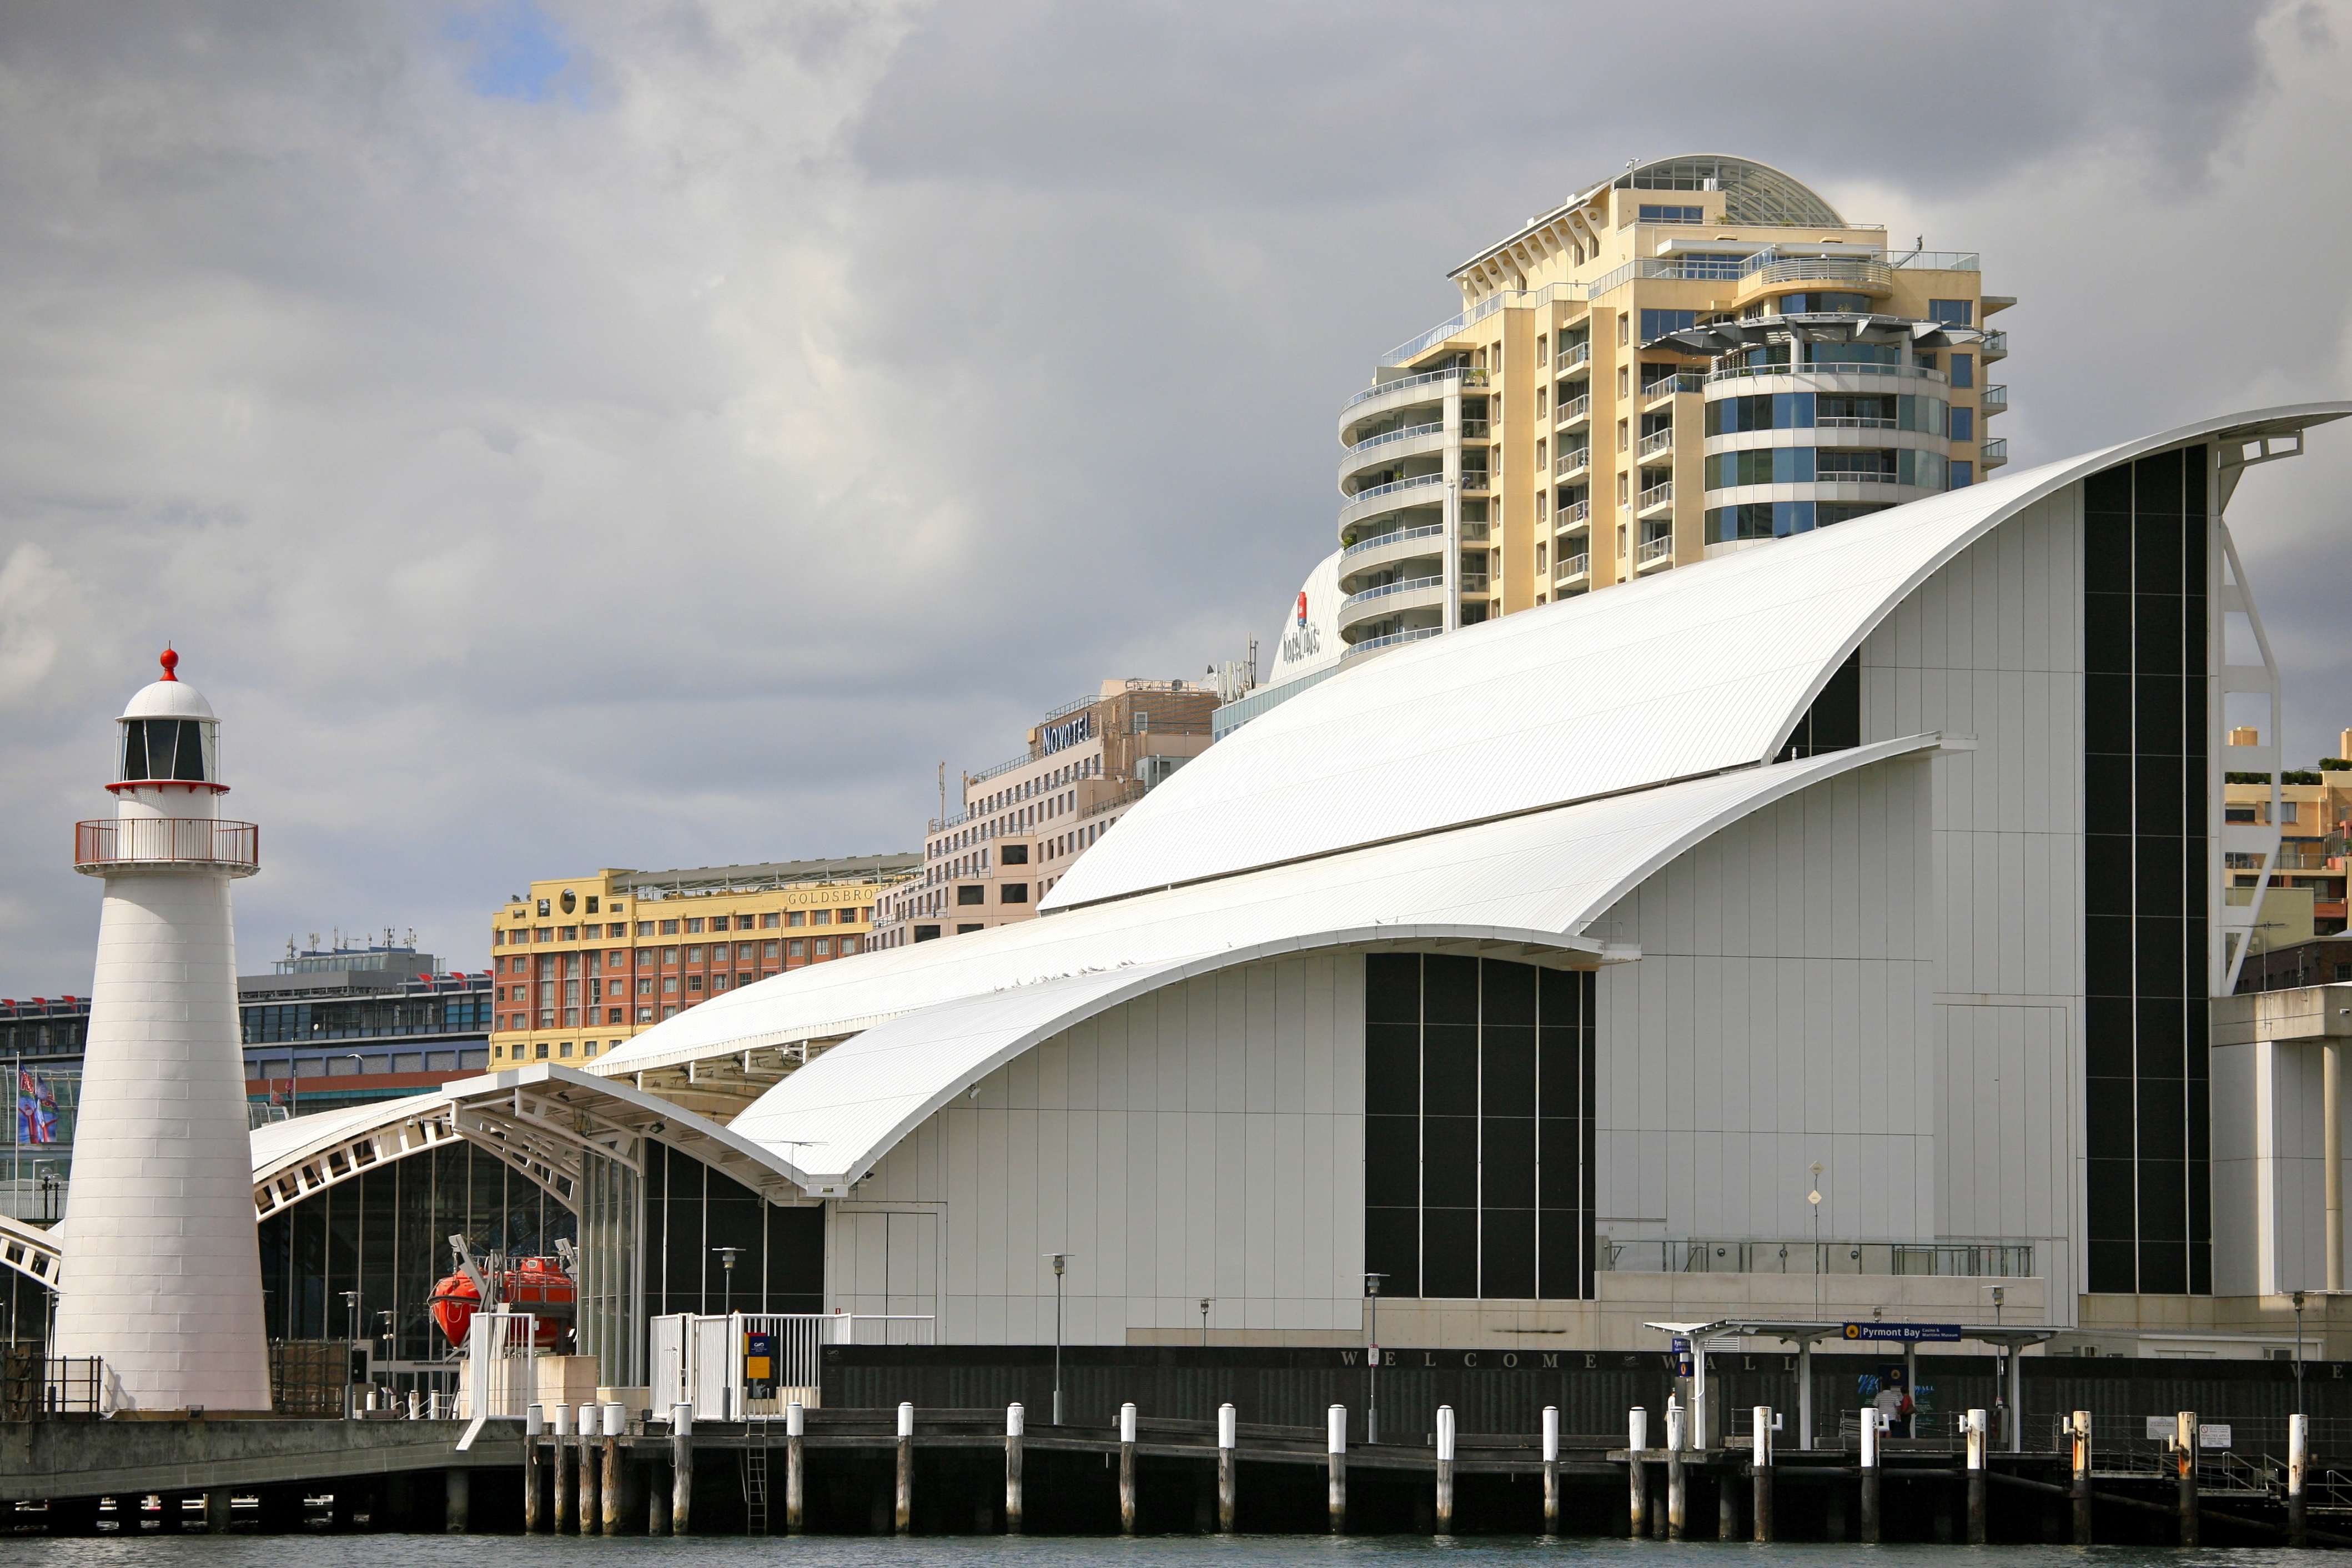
x,y
2145,660
1478,1135
693,1210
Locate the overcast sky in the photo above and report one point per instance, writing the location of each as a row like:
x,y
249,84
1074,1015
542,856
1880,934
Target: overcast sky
x,y
566,435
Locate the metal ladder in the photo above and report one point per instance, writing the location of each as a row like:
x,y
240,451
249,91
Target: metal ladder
x,y
755,1476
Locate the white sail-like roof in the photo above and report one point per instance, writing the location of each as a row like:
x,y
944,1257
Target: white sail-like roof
x,y
1690,671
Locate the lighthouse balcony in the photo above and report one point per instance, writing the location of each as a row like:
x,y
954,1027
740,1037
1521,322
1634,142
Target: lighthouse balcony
x,y
167,843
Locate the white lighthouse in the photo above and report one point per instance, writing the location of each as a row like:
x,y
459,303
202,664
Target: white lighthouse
x,y
164,1278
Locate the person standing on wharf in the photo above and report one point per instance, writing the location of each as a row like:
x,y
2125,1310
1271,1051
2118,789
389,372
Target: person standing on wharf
x,y
165,1280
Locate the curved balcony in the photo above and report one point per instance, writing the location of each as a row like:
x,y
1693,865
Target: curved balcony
x,y
1852,274
1419,441
1420,490
1432,386
1675,386
1575,515
1575,355
1814,373
1373,645
166,844
1386,549
1573,571
1391,599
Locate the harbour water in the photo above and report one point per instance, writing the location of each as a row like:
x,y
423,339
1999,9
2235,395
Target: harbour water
x,y
1068,1551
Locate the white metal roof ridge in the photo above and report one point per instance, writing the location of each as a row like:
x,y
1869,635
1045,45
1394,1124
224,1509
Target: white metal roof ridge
x,y
849,1107
1707,666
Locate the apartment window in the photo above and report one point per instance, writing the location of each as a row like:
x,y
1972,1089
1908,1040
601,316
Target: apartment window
x,y
1960,475
693,983
564,1049
1964,369
798,918
645,928
1658,323
543,933
796,948
768,922
592,903
1625,433
670,1010
1014,894
718,982
1962,423
694,955
1625,331
770,951
543,909
1953,312
848,945
927,934
744,952
669,928
963,930
1624,383
718,923
693,926
971,893
646,986
1672,215
824,947
644,1014
669,984
540,1050
820,917
2286,812
588,1048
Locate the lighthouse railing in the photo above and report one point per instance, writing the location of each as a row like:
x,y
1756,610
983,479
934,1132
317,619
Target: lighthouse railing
x,y
172,840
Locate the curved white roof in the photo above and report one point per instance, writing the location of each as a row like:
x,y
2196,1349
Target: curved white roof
x,y
167,699
936,1018
1704,668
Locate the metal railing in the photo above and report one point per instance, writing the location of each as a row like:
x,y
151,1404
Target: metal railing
x,y
1567,463
1650,550
1385,589
1514,298
1572,567
1478,480
1656,495
1474,582
1432,428
1657,441
1370,643
1576,407
1464,374
701,1358
1573,355
1993,397
174,840
1855,422
1670,385
1735,372
1855,477
1129,793
1426,530
1574,512
1475,429
1996,345
1996,452
1697,1255
1411,481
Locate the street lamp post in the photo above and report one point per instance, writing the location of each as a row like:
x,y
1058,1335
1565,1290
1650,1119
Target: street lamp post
x,y
1814,1198
350,1338
1373,1393
726,1277
1205,1322
1060,1259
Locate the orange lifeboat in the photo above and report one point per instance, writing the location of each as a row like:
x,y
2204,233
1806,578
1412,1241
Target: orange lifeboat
x,y
534,1285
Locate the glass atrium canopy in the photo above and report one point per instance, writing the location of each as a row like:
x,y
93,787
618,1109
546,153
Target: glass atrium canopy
x,y
1753,193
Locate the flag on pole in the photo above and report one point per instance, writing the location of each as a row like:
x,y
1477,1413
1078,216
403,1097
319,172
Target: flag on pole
x,y
36,1110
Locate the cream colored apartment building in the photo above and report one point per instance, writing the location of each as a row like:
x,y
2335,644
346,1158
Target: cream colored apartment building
x,y
1698,355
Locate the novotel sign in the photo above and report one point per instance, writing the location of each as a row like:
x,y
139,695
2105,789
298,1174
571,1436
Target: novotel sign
x,y
1080,727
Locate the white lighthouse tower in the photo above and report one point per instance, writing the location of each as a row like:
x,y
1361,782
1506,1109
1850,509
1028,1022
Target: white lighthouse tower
x,y
163,1273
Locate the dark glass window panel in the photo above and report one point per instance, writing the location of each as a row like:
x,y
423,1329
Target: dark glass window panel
x,y
2109,492
2201,1269
1562,1243
795,1259
2201,1201
2156,490
2162,1133
2163,1203
2193,944
2107,1036
2164,1267
1449,1162
134,750
1508,1071
1392,988
1510,993
1557,1063
2161,874
1393,1161
2194,1021
2160,1038
1508,1162
2106,713
2192,713
2107,955
163,735
1560,1159
1392,1069
2111,1267
2200,1119
2195,465
2156,796
1834,721
1449,990
1507,1262
2107,1117
1561,995
2157,714
2156,633
2106,633
2107,553
2107,787
2158,969
2106,873
2108,1203
189,763
2155,555
1449,1252
1449,1070
1392,1246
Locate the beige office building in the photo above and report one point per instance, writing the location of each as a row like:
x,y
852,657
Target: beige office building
x,y
1698,355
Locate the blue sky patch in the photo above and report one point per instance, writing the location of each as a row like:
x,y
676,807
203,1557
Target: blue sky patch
x,y
517,52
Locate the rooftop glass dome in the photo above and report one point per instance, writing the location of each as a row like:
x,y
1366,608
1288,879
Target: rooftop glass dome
x,y
1752,193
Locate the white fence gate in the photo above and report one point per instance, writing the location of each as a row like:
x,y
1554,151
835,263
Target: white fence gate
x,y
500,1375
700,1359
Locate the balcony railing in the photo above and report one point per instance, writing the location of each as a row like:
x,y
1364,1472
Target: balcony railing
x,y
1572,513
195,841
1573,355
1855,477
1650,550
1993,399
1427,530
1855,422
1995,1260
1567,463
1576,408
1996,345
1467,376
1479,479
1572,567
1777,268
1657,441
1370,643
1385,589
1432,428
1669,385
1476,429
1996,453
1474,583
1735,372
1656,495
1410,482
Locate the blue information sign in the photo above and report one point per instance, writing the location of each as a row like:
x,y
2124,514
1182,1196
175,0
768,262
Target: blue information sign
x,y
1908,1333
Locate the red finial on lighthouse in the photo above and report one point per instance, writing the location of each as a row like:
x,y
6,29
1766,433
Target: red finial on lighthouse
x,y
171,662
